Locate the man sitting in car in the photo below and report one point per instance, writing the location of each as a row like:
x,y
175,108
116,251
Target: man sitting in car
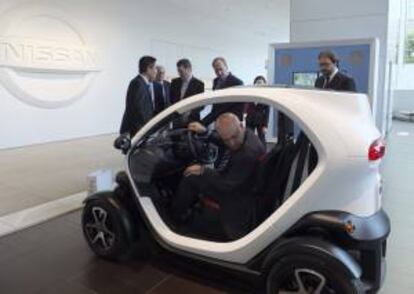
x,y
230,182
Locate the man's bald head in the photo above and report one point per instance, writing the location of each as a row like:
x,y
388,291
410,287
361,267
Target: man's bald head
x,y
230,130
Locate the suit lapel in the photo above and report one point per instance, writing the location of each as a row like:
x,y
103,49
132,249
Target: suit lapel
x,y
148,92
334,82
180,84
188,87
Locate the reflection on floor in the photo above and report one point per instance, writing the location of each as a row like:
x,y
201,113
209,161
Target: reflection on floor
x,y
29,217
399,203
38,174
53,257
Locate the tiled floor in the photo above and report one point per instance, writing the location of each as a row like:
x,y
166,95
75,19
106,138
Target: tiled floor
x,y
53,257
399,203
34,175
29,217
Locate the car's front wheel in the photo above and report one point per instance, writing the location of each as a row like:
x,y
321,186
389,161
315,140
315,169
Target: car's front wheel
x,y
304,274
105,231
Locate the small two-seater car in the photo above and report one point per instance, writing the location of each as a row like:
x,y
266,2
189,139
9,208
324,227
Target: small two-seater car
x,y
319,224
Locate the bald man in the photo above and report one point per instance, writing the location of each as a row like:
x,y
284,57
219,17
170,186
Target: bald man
x,y
231,182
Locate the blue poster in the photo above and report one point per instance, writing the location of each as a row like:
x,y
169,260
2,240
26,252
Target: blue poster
x,y
299,66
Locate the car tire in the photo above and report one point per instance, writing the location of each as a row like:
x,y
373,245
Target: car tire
x,y
107,230
310,274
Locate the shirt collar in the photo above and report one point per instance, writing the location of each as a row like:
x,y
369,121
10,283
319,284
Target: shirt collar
x,y
333,74
145,79
223,78
188,80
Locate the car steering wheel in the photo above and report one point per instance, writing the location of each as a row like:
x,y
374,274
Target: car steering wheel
x,y
202,151
201,148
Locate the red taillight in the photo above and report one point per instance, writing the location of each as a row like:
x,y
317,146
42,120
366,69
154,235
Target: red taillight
x,y
376,150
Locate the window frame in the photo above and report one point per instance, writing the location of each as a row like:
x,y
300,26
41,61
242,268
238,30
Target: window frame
x,y
409,33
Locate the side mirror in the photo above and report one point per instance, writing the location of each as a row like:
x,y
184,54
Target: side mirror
x,y
123,143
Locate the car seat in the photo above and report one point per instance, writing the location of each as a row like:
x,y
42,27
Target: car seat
x,y
283,170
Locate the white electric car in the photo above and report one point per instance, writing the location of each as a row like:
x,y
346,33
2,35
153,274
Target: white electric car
x,y
318,227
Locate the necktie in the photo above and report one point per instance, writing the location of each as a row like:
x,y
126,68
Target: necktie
x,y
151,92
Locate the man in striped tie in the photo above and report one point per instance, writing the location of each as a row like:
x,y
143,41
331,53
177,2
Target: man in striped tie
x,y
230,183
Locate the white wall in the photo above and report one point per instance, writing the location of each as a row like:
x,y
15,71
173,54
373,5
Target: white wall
x,y
324,20
121,31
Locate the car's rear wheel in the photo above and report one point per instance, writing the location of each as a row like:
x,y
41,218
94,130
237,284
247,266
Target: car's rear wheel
x,y
105,230
304,274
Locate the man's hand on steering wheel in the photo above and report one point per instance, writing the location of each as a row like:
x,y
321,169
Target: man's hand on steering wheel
x,y
195,169
197,127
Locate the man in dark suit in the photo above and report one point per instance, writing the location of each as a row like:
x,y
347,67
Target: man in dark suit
x,y
331,77
140,106
186,85
224,79
230,184
159,98
163,85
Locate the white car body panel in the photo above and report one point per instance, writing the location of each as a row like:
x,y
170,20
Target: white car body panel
x,y
341,128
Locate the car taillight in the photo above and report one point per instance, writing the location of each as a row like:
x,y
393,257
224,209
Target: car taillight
x,y
376,150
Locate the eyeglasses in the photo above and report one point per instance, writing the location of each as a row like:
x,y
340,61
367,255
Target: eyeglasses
x,y
323,64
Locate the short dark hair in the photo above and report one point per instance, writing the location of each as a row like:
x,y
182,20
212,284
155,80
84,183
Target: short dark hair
x,y
184,62
329,54
145,62
222,59
256,79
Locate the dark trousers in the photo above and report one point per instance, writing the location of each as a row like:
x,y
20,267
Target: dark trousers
x,y
187,195
235,213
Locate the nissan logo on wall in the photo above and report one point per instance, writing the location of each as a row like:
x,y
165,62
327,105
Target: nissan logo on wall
x,y
44,60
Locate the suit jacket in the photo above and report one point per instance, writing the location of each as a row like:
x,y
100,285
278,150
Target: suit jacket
x,y
166,92
340,82
194,87
139,108
232,186
160,102
257,115
220,108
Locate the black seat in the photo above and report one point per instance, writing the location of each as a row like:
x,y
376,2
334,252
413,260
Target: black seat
x,y
281,172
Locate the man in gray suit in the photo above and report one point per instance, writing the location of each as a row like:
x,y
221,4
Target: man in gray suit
x,y
140,101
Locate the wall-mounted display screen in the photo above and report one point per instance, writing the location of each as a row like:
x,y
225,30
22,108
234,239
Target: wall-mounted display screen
x,y
304,79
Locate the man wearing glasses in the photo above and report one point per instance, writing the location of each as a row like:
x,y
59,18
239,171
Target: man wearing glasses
x,y
331,77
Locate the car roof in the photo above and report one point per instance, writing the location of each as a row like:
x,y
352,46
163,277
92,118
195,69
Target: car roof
x,y
329,118
285,86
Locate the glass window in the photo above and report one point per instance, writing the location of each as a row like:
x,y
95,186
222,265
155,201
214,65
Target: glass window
x,y
409,41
